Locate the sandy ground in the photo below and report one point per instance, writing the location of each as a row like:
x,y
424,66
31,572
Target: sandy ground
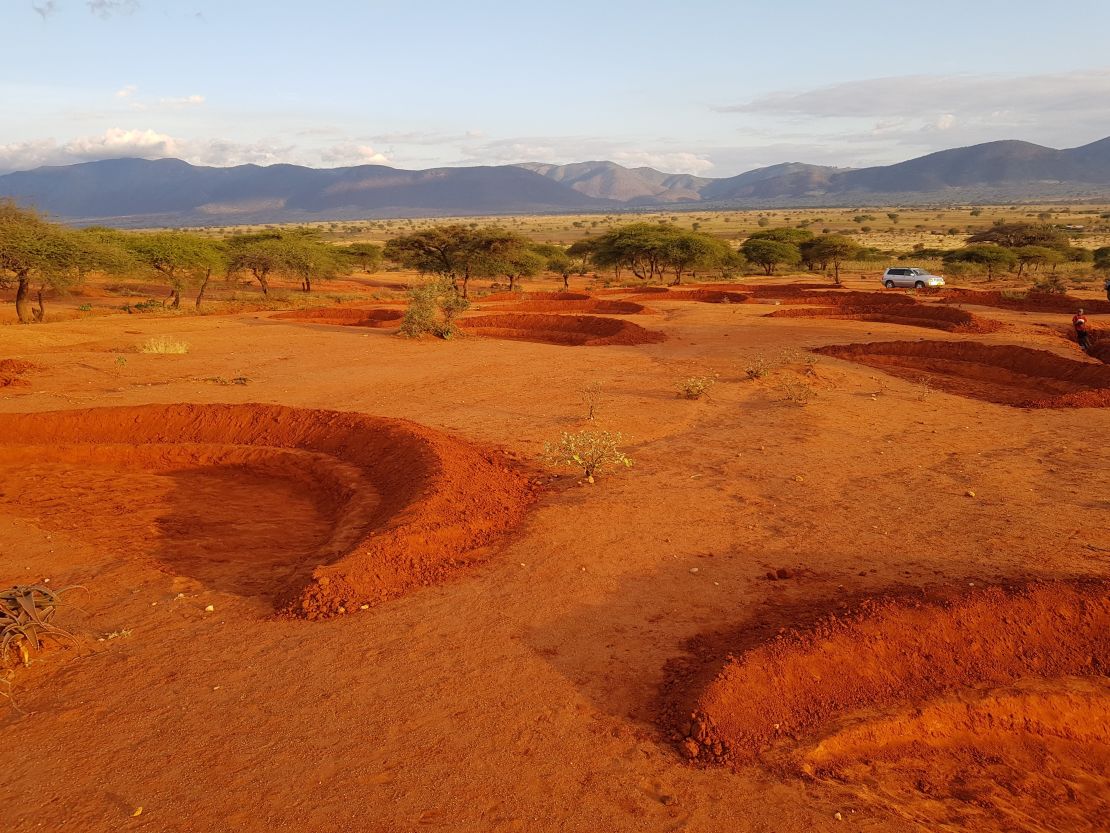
x,y
523,693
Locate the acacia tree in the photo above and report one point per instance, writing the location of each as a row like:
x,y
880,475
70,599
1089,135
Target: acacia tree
x,y
830,248
33,250
308,259
557,260
686,251
366,255
181,259
1015,235
455,252
262,257
783,234
989,256
769,254
1034,256
639,247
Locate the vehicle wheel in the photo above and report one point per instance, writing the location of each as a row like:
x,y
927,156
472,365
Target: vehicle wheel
x,y
889,284
919,285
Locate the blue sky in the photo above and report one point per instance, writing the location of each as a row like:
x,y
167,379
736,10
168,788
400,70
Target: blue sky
x,y
713,88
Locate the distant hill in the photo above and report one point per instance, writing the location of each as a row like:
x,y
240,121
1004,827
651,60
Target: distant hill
x,y
139,191
172,192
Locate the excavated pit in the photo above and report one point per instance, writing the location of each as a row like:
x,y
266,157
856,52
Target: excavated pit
x,y
317,512
975,705
933,317
345,316
1000,373
534,296
571,330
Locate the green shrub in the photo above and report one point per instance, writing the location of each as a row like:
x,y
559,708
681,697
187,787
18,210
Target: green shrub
x,y
590,451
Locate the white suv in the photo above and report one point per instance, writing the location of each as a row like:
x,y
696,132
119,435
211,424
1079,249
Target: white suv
x,y
910,276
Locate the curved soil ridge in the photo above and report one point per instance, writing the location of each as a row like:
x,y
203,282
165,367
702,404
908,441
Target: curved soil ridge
x,y
600,306
1031,302
570,330
394,505
1032,756
943,318
345,316
1000,373
894,653
535,296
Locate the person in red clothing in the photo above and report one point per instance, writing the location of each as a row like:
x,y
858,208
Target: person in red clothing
x,y
1082,333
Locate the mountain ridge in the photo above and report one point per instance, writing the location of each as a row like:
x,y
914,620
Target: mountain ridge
x,y
174,192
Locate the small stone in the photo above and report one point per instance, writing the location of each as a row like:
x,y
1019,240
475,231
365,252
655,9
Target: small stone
x,y
838,817
969,493
691,748
364,607
693,569
210,609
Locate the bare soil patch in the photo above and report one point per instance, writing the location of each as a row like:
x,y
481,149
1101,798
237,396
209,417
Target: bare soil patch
x,y
536,296
1004,374
13,373
973,706
576,330
346,316
319,511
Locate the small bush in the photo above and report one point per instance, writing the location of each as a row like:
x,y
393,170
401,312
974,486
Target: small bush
x,y
757,369
163,345
797,392
1050,285
695,387
590,451
432,309
25,614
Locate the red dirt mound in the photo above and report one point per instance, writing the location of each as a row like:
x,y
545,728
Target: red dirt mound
x,y
707,296
595,305
346,316
914,315
951,704
318,511
12,372
561,329
535,296
1006,374
1033,302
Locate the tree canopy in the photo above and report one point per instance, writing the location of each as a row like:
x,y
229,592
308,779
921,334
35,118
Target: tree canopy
x,y
770,254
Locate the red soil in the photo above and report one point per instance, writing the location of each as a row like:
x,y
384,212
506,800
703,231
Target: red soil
x,y
561,329
595,305
1005,374
707,296
915,315
12,372
345,316
535,296
948,709
1033,302
893,652
319,511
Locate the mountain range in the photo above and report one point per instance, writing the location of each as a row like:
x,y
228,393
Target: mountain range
x,y
138,192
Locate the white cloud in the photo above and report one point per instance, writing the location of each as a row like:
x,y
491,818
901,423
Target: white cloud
x,y
351,153
565,149
127,91
186,101
677,162
118,143
45,8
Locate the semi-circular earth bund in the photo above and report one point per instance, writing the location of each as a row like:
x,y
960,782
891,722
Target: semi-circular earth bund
x,y
1031,302
1000,373
601,306
535,296
345,316
991,705
932,317
574,330
317,511
706,296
